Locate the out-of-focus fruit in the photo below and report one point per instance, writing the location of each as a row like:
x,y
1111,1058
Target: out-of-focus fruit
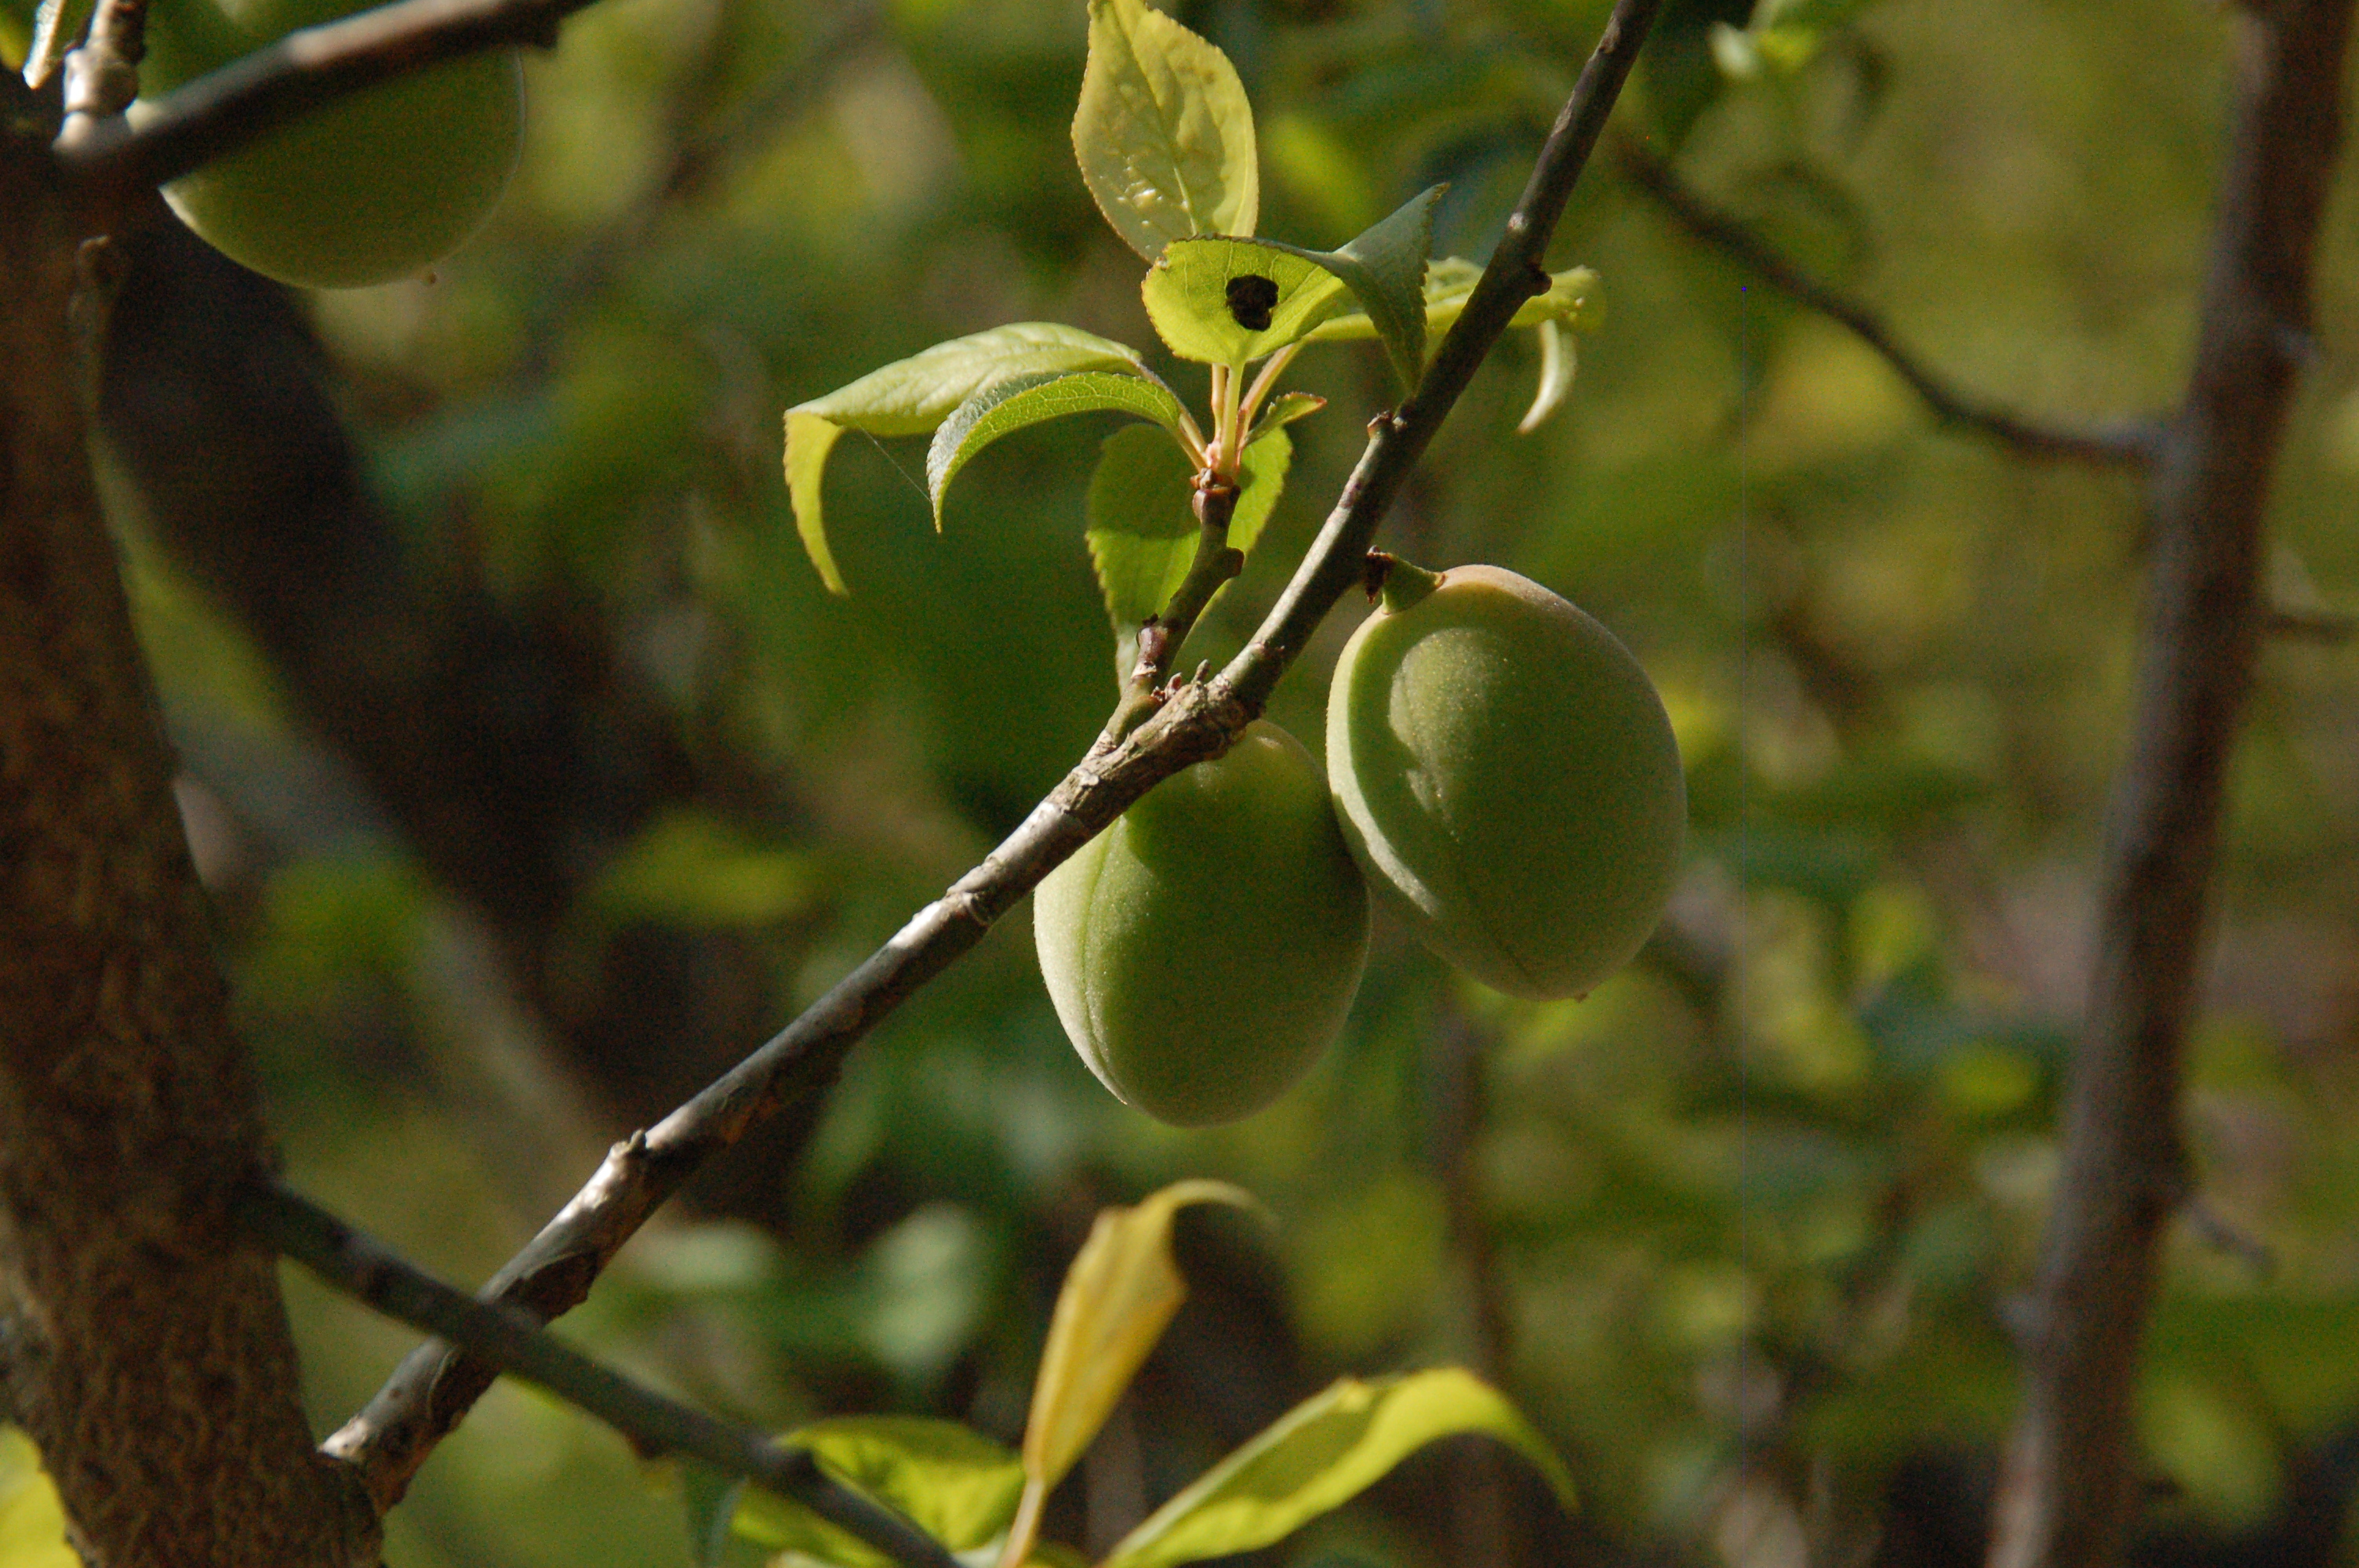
x,y
370,189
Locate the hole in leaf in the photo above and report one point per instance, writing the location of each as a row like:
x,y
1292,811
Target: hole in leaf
x,y
1251,295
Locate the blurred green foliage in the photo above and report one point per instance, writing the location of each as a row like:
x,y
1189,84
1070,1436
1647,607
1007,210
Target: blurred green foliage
x,y
1767,1196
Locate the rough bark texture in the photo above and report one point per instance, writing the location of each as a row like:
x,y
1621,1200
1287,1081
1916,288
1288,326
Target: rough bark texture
x,y
146,1347
2065,1498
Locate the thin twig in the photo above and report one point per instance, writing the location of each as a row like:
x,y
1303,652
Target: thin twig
x,y
226,109
1160,640
432,1389
515,1342
2065,1496
2131,444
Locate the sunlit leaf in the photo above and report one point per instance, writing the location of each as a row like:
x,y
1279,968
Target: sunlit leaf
x,y
1142,523
56,26
1558,361
1163,134
1283,410
1010,406
1385,269
1573,298
911,397
954,1484
1226,301
1321,1455
1118,1296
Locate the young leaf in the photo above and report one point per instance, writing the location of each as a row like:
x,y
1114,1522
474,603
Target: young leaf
x,y
1321,1455
1007,406
1283,410
1142,528
1230,301
956,1484
1572,298
1163,132
911,397
1384,268
1118,1296
1558,361
1227,301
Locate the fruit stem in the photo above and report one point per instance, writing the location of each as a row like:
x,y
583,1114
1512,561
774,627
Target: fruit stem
x,y
1398,583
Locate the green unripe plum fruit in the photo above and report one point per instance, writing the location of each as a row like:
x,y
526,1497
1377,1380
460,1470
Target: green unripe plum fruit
x,y
370,189
1507,778
1203,950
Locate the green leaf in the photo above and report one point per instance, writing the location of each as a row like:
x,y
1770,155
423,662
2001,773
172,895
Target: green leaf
x,y
1558,361
1142,529
1283,410
1007,406
56,26
1202,295
1322,1454
1572,298
954,1484
1118,1296
911,397
710,1499
688,868
1385,269
1190,298
1163,132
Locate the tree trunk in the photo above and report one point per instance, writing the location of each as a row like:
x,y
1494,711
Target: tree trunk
x,y
144,1343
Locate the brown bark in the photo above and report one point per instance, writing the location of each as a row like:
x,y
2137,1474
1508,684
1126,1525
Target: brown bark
x,y
145,1345
2066,1495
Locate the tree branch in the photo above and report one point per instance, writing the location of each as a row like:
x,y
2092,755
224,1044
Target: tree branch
x,y
2121,445
226,109
515,1342
433,1389
2065,1496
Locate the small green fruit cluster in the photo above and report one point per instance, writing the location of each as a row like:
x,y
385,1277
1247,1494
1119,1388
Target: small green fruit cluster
x,y
1507,778
1503,775
1203,950
368,189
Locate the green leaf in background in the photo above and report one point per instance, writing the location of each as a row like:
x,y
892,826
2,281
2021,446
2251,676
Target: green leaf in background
x,y
911,397
1385,269
1143,528
1117,1298
1009,406
954,1484
711,1501
1322,1454
55,27
1558,361
688,869
1163,132
1227,301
